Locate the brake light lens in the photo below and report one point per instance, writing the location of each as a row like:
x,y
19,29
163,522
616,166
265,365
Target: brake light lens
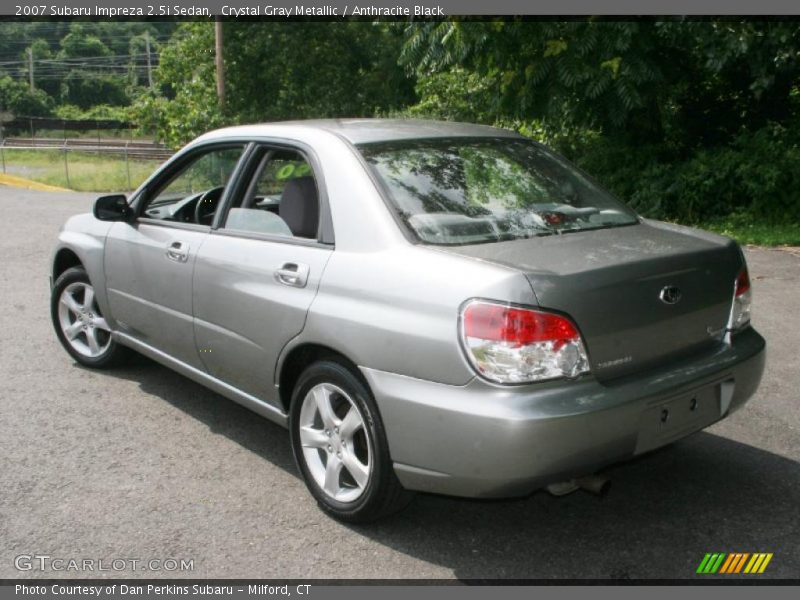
x,y
742,282
742,301
508,344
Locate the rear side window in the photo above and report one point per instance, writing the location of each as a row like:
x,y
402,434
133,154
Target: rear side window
x,y
465,191
278,171
280,199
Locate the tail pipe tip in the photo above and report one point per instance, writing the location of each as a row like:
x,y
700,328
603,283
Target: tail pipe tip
x,y
596,484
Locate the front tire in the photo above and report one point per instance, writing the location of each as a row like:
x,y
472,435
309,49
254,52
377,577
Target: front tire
x,y
79,324
340,446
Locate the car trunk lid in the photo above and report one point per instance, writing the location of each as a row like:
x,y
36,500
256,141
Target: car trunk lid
x,y
640,294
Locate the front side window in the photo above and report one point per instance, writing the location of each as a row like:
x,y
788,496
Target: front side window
x,y
193,192
466,191
281,198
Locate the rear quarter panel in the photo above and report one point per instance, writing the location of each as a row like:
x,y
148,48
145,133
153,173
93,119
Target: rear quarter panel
x,y
397,309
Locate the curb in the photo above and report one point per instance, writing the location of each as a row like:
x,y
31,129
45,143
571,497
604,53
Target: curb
x,y
21,182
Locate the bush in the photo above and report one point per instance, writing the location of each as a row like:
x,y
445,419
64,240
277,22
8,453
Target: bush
x,y
83,89
17,98
100,111
756,175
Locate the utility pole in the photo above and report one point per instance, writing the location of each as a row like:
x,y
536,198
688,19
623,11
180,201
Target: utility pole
x,y
30,68
219,62
149,64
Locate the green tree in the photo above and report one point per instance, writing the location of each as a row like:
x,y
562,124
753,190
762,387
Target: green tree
x,y
455,95
276,71
186,102
313,69
17,98
648,80
85,85
78,44
82,64
678,117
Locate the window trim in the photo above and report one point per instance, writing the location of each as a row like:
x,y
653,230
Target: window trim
x,y
257,166
171,224
266,237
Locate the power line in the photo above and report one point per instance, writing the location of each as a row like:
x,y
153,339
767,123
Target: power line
x,y
78,60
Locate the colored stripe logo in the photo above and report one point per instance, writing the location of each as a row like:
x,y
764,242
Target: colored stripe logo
x,y
734,563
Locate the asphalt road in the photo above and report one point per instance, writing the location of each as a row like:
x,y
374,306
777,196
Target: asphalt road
x,y
142,463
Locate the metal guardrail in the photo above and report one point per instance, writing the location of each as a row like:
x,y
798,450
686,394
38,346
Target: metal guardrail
x,y
33,124
132,148
128,149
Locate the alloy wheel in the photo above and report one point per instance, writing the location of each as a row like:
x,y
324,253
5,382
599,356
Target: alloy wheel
x,y
336,446
80,320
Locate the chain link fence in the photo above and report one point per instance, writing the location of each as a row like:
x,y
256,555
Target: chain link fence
x,y
88,155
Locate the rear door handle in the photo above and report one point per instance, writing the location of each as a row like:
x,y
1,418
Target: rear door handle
x,y
292,274
178,251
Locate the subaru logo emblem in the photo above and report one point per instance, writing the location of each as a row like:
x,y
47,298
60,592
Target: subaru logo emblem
x,y
670,295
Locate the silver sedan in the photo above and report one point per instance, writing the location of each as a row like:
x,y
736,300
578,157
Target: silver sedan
x,y
427,306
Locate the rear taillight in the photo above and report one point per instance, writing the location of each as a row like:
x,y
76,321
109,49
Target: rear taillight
x,y
742,300
508,344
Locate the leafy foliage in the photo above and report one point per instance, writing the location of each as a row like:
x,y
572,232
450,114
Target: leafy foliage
x,y
187,104
98,111
688,120
453,95
17,98
274,71
79,63
546,70
685,120
755,175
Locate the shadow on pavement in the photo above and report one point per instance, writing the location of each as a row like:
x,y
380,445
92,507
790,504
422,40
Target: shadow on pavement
x,y
664,511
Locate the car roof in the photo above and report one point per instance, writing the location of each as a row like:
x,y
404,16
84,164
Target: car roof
x,y
365,131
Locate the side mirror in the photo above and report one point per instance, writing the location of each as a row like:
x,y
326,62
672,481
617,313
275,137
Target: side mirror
x,y
112,208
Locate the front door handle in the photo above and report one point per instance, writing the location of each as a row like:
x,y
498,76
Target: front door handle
x,y
178,251
292,274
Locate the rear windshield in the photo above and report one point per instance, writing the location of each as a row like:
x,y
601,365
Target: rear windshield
x,y
469,191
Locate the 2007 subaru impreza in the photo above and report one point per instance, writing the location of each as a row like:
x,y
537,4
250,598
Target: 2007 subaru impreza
x,y
426,306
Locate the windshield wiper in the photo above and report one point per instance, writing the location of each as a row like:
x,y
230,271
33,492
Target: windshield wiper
x,y
596,227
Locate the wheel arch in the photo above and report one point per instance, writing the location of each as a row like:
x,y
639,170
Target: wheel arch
x,y
65,258
298,358
82,244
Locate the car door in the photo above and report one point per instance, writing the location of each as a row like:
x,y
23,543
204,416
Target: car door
x,y
258,272
149,261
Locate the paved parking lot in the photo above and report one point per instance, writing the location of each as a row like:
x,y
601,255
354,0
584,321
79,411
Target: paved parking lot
x,y
142,463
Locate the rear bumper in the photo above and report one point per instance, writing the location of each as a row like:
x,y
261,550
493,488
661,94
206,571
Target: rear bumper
x,y
485,440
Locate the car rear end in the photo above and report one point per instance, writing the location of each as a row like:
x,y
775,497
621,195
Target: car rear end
x,y
635,333
489,440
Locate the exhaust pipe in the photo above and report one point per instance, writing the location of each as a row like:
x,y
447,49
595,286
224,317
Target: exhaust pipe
x,y
562,488
596,484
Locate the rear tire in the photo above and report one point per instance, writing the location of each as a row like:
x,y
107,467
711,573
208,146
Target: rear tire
x,y
79,324
340,447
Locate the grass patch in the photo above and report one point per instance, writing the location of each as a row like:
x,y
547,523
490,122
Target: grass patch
x,y
747,230
83,171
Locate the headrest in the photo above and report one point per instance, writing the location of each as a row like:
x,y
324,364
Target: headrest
x,y
300,206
